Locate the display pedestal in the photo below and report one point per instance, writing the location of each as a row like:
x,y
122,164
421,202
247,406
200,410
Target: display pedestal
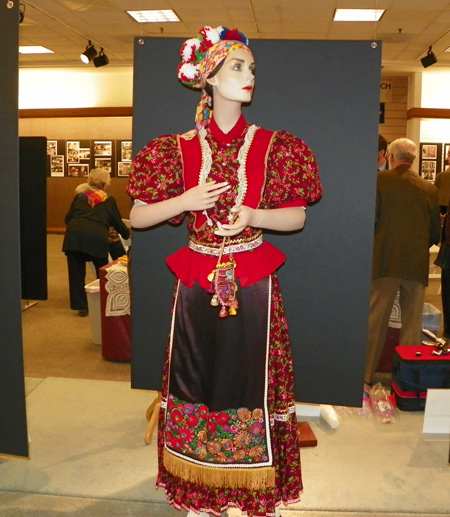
x,y
306,436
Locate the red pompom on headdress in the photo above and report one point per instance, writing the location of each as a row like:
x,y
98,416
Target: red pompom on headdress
x,y
232,34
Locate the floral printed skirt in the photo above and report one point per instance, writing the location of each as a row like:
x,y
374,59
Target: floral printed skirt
x,y
227,433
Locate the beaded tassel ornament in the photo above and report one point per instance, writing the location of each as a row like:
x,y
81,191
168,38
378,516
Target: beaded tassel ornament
x,y
223,285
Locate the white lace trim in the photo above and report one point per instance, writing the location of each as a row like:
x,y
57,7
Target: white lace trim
x,y
284,417
205,168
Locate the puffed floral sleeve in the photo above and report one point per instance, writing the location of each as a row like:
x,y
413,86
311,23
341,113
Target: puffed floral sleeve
x,y
157,172
292,173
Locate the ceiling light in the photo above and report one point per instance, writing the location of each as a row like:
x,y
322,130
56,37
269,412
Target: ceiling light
x,y
34,49
429,59
101,59
151,16
358,15
88,54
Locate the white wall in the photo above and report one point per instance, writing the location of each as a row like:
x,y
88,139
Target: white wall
x,y
435,90
113,87
75,87
435,94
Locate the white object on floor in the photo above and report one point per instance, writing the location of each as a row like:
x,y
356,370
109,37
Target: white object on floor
x,y
436,419
329,414
201,514
307,410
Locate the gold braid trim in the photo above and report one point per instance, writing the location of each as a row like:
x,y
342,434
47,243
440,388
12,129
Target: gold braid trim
x,y
251,478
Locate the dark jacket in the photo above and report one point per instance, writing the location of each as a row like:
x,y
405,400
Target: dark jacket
x,y
407,223
88,226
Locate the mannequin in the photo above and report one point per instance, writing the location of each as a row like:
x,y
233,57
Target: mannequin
x,y
227,438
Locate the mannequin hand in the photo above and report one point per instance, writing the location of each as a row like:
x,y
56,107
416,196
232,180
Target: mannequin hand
x,y
242,217
202,197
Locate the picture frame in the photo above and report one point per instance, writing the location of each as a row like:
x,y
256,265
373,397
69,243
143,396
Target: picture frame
x,y
428,170
78,170
73,151
102,147
103,163
429,151
123,169
126,151
85,153
57,165
52,147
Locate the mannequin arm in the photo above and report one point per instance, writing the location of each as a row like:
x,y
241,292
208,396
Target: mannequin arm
x,y
279,219
198,198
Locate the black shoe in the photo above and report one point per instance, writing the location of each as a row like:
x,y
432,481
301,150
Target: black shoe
x,y
82,313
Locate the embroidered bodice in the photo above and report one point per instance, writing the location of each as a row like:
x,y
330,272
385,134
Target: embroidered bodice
x,y
289,177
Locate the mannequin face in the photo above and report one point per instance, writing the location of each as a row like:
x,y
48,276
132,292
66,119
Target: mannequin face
x,y
235,81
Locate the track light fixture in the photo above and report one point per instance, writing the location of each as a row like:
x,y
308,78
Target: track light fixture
x,y
89,53
101,59
429,59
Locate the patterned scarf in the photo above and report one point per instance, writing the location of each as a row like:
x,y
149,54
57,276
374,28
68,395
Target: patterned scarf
x,y
94,197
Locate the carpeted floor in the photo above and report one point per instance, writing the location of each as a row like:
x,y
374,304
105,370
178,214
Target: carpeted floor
x,y
88,458
56,341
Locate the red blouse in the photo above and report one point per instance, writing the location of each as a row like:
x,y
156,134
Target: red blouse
x,y
281,172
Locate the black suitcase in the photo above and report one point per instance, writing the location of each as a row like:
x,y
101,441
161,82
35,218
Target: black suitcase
x,y
416,369
408,400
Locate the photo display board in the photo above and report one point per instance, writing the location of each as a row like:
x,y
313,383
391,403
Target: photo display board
x,y
76,158
327,93
432,159
13,418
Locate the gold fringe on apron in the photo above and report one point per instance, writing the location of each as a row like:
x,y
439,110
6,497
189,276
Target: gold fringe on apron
x,y
251,478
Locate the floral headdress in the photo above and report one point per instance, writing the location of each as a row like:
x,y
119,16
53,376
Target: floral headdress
x,y
200,56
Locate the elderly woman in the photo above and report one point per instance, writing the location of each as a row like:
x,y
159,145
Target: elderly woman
x,y
88,220
227,436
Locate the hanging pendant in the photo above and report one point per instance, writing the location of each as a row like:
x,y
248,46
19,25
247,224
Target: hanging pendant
x,y
225,287
214,301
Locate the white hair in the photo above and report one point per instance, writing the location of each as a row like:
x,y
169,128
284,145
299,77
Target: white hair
x,y
99,178
403,150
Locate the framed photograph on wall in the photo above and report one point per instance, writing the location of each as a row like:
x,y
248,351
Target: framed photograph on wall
x,y
102,148
429,151
430,159
126,151
85,153
77,170
446,157
73,152
428,170
123,169
103,163
52,147
57,165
